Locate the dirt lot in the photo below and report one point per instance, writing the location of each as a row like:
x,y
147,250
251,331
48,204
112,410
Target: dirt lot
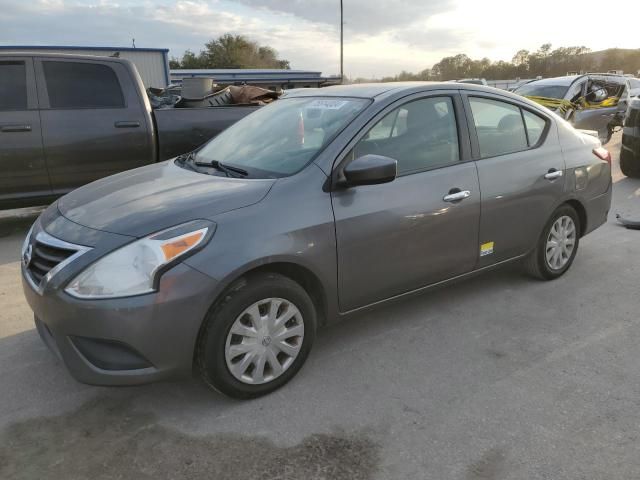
x,y
498,377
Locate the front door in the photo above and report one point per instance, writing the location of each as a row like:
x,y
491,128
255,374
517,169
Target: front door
x,y
422,227
23,172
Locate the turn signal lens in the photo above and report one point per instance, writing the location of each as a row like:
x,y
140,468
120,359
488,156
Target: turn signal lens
x,y
177,246
603,154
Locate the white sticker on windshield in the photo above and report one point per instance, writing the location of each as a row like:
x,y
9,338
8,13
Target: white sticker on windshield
x,y
328,104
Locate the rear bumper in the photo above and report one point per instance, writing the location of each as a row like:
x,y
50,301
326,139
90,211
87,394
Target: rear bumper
x,y
126,341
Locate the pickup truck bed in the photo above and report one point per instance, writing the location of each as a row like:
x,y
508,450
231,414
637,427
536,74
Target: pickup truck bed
x,y
67,120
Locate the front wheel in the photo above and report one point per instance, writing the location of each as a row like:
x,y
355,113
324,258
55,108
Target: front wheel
x,y
557,245
257,336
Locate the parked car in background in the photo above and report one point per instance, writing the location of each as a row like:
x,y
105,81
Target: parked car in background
x,y
473,81
630,151
66,120
590,102
324,203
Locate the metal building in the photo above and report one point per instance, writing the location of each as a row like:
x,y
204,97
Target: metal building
x,y
152,63
263,77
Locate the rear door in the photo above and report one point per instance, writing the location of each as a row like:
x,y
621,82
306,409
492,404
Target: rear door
x,y
23,172
521,172
94,122
404,235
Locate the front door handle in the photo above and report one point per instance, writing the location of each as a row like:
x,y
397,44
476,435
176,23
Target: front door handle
x,y
15,128
552,174
453,196
127,124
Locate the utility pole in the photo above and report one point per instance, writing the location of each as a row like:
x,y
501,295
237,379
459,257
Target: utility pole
x,y
341,44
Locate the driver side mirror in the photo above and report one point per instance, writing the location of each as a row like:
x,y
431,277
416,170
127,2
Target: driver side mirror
x,y
370,170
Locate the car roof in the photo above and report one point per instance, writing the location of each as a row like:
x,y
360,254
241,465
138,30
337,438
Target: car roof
x,y
393,90
378,90
560,81
361,90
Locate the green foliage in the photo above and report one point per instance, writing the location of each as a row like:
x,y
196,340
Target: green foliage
x,y
231,51
545,61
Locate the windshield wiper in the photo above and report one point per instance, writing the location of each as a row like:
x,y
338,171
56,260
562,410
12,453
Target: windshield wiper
x,y
228,170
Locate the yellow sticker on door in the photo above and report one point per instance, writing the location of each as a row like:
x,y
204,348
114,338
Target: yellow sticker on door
x,y
486,249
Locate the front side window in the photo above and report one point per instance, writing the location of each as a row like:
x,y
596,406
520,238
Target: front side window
x,y
420,135
282,138
82,85
13,86
499,127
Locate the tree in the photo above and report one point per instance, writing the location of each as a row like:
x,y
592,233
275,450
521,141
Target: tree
x,y
232,51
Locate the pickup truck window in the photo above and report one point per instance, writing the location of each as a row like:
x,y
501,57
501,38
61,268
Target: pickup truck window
x,y
13,86
282,138
82,85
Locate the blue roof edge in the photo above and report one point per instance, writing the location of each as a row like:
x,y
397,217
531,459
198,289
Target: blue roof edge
x,y
80,47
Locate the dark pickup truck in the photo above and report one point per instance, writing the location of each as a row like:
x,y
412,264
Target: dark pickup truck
x,y
66,120
630,153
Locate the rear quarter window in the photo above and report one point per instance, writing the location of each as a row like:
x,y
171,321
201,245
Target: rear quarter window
x,y
82,85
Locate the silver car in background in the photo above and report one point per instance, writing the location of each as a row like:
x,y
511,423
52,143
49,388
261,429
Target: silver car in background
x,y
597,101
324,203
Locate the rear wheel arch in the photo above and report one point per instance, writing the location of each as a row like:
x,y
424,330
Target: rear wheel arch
x,y
582,213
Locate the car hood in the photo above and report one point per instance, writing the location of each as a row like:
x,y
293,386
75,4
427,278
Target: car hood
x,y
148,199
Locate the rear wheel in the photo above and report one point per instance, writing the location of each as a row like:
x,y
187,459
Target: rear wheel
x,y
557,245
257,336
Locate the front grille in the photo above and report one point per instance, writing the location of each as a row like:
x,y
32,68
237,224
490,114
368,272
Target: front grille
x,y
45,258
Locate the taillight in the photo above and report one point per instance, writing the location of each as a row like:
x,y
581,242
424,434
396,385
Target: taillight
x,y
603,154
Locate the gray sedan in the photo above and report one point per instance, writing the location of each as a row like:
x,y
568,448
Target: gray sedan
x,y
327,202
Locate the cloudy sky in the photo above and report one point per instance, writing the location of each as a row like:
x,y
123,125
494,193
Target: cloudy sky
x,y
382,37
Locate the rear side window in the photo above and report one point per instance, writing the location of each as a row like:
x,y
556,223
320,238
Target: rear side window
x,y
420,135
13,86
499,126
82,85
535,126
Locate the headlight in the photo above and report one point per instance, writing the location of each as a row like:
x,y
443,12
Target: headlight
x,y
135,268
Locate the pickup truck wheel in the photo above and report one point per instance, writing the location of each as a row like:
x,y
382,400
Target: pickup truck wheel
x,y
557,245
630,166
257,336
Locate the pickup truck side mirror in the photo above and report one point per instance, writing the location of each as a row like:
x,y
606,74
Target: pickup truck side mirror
x,y
370,170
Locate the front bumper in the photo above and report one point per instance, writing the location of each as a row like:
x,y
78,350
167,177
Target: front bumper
x,y
159,330
123,341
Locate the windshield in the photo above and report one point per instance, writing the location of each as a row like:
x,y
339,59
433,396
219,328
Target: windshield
x,y
282,138
548,91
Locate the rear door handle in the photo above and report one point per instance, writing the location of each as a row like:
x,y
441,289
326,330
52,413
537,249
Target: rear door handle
x,y
457,196
15,128
127,124
552,174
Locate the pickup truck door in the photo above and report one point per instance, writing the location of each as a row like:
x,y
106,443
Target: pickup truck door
x,y
23,171
94,120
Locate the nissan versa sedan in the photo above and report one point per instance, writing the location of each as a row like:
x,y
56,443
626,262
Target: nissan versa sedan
x,y
329,201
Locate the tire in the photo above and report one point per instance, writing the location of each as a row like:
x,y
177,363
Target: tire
x,y
630,166
536,263
245,307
